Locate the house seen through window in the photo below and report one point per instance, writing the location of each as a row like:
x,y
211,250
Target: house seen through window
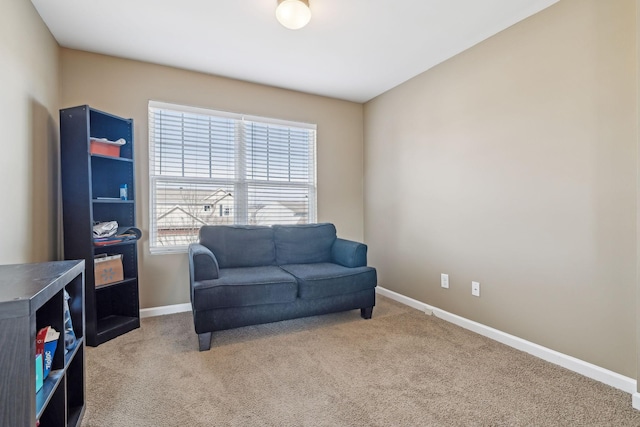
x,y
212,167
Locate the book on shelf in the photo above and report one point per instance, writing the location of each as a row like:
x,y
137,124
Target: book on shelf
x,y
46,343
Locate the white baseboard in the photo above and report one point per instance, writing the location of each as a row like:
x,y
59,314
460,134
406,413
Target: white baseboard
x,y
587,369
167,309
635,399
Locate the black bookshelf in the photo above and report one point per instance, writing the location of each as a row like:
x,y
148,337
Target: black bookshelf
x,y
90,194
32,297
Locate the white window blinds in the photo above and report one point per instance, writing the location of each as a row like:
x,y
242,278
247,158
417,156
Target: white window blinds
x,y
212,167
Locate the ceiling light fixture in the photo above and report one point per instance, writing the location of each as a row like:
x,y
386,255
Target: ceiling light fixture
x,y
293,14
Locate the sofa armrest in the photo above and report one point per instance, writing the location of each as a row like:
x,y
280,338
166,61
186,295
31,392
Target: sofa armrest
x,y
349,253
203,264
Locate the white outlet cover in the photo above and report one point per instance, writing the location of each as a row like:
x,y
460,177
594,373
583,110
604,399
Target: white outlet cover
x,y
444,280
475,289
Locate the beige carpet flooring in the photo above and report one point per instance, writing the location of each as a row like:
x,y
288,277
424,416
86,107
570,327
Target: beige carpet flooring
x,y
401,368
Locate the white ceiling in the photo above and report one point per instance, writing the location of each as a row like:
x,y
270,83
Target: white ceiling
x,y
351,49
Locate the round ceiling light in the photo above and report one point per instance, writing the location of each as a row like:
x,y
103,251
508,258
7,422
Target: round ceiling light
x,y
293,14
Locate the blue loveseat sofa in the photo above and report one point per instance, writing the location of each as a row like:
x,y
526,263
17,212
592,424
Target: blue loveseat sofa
x,y
247,275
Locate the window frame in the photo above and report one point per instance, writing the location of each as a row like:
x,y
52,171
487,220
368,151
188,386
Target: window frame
x,y
240,182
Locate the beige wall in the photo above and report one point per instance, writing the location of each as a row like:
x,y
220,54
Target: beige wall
x,y
637,319
124,87
514,164
28,126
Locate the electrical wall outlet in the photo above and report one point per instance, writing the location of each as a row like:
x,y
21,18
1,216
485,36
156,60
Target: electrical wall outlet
x,y
475,289
444,280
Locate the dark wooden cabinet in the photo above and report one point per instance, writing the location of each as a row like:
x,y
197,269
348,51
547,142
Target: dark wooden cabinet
x,y
32,297
91,194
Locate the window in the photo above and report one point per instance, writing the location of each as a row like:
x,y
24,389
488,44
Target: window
x,y
212,167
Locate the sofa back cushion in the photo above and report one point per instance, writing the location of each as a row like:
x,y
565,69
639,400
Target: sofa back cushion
x,y
239,245
303,244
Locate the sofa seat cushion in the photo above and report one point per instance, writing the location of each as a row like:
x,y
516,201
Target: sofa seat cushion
x,y
242,287
326,279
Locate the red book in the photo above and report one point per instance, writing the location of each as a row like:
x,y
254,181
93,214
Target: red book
x,y
40,338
